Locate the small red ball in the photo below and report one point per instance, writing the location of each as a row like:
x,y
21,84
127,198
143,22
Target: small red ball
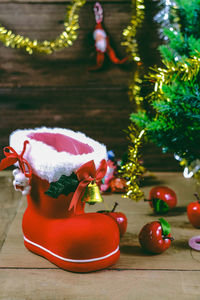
x,y
162,199
193,213
118,185
151,238
119,218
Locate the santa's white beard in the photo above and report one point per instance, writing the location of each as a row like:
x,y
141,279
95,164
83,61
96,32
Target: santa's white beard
x,y
101,45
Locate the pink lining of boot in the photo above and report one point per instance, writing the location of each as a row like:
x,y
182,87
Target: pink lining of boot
x,y
62,143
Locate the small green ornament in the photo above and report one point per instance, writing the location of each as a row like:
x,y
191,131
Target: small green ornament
x,y
166,228
160,206
65,185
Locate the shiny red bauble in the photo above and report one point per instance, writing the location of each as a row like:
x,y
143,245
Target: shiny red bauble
x,y
152,238
118,185
162,199
119,218
193,212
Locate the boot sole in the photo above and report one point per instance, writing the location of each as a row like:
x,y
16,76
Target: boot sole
x,y
74,265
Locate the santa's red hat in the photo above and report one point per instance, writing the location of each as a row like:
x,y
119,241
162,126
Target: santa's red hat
x,y
98,11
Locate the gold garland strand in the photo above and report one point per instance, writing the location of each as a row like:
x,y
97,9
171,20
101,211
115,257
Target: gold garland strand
x,y
130,31
64,40
133,170
186,70
130,42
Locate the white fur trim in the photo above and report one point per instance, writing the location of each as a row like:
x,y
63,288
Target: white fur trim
x,y
99,31
50,164
101,45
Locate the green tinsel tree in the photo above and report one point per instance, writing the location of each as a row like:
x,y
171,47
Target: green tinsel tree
x,y
175,124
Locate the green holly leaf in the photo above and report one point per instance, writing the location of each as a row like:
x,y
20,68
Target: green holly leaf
x,y
160,206
65,185
166,228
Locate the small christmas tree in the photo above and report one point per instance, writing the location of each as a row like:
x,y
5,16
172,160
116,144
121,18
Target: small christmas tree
x,y
175,124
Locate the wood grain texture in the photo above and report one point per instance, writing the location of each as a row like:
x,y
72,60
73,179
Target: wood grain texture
x,y
177,257
68,67
101,117
9,202
58,90
137,275
34,284
91,113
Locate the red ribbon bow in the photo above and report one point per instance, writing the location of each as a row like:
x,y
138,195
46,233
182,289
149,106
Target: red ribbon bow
x,y
11,157
87,173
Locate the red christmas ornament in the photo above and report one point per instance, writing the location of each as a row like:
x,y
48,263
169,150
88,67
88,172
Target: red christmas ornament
x,y
102,43
111,169
193,212
162,199
119,218
118,185
55,226
155,237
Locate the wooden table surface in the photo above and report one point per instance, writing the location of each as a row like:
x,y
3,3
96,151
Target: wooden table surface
x,y
175,274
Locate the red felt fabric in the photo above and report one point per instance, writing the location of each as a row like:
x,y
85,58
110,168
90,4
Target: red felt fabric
x,y
74,235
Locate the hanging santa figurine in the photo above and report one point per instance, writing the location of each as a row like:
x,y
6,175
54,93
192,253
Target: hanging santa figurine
x,y
102,43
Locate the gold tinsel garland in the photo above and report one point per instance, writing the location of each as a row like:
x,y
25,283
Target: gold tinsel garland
x,y
64,40
130,42
133,170
186,70
130,31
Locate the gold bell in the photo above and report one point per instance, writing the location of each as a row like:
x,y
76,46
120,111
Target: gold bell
x,y
92,194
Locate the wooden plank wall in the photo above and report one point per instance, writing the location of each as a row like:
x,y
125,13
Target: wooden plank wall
x,y
58,90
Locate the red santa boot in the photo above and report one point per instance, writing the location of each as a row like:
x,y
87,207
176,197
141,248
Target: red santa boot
x,y
61,164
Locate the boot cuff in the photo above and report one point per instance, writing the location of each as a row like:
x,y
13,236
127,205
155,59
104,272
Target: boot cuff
x,y
53,152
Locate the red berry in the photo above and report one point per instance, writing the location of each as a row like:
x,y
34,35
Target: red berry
x,y
119,218
152,238
162,199
118,185
193,212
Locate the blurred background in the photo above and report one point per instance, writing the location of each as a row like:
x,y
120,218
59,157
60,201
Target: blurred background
x,y
58,90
